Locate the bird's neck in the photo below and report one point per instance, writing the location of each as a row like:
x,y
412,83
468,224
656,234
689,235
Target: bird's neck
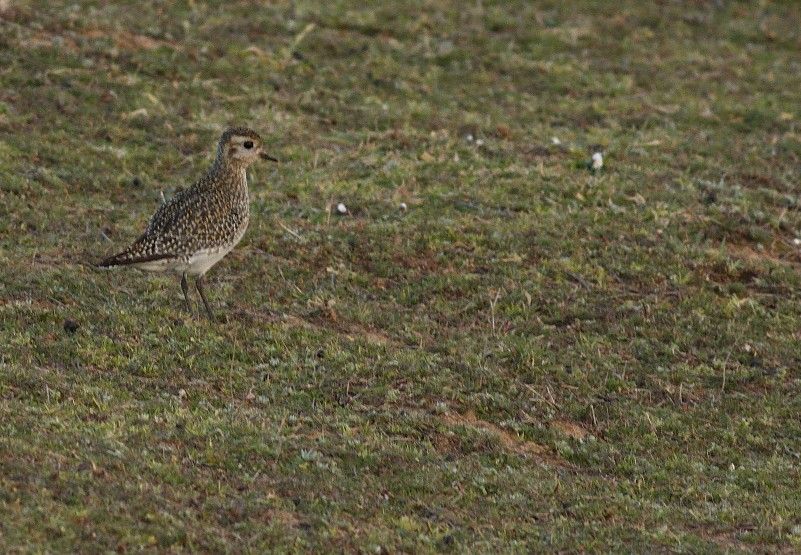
x,y
227,174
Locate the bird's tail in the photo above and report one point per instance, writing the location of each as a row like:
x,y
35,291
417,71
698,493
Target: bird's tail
x,y
127,257
120,259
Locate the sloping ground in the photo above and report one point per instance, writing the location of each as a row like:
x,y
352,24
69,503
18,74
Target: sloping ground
x,y
529,357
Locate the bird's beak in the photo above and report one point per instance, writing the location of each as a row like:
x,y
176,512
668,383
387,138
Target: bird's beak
x,y
265,156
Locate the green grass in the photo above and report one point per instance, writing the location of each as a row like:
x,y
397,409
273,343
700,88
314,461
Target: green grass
x,y
529,358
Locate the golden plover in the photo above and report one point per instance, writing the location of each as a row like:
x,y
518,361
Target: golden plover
x,y
198,226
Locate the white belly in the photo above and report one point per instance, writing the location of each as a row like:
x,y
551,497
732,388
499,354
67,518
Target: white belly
x,y
196,265
200,262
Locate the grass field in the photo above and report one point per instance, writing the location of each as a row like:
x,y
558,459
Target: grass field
x,y
530,357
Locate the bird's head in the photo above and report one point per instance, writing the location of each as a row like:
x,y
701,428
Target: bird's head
x,y
240,146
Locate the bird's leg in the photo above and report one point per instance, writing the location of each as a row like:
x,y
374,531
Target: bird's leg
x,y
185,289
199,285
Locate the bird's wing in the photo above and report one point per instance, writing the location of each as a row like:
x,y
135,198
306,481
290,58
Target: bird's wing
x,y
169,212
165,235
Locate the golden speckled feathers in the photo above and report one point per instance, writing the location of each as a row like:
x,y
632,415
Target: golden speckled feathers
x,y
211,215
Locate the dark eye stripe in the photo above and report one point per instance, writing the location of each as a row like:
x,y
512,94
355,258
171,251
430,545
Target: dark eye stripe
x,y
248,144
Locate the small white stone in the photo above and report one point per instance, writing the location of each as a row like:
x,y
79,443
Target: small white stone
x,y
403,206
342,209
479,142
796,241
556,141
469,138
597,161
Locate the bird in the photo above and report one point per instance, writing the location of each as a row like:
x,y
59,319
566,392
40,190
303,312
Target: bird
x,y
198,226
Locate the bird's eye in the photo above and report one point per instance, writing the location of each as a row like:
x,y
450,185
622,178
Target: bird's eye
x,y
248,144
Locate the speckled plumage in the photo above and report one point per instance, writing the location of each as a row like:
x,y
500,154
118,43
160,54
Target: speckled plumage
x,y
197,227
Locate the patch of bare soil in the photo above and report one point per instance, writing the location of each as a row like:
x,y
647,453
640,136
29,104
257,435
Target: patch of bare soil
x,y
570,429
509,441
